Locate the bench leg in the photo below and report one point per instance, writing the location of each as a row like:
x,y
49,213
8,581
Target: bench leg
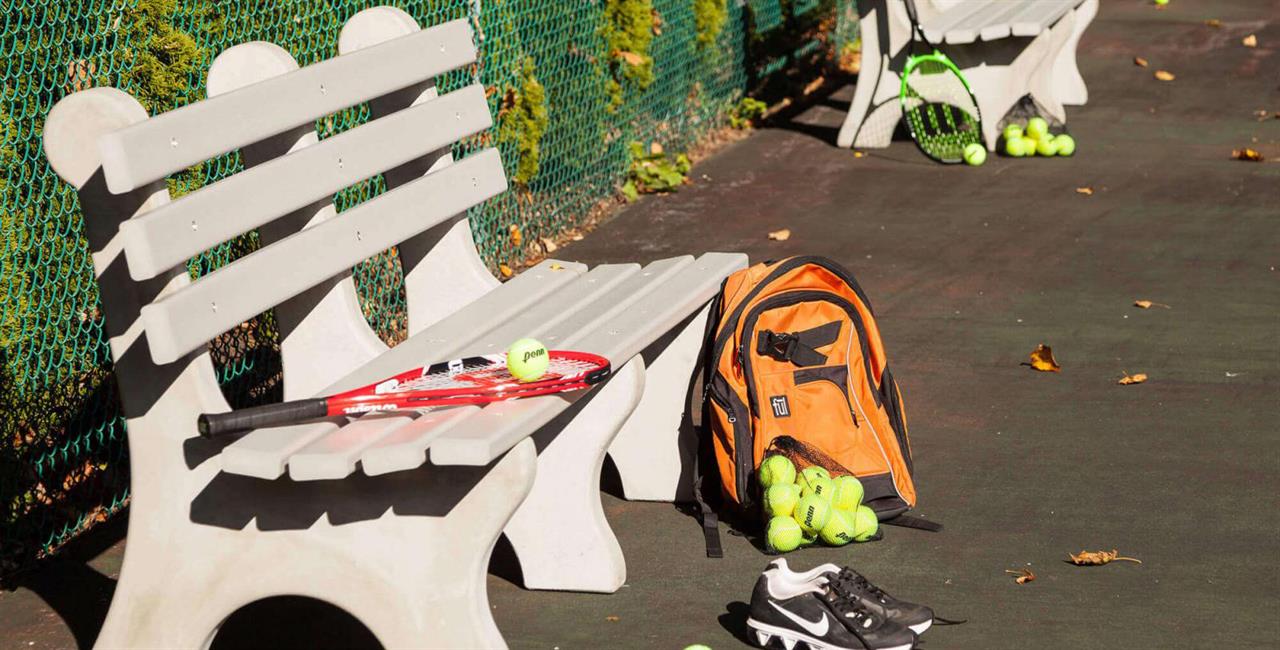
x,y
1043,86
1068,83
560,534
875,70
656,449
412,580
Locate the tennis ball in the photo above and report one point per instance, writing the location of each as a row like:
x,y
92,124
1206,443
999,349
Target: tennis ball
x,y
811,513
776,470
811,472
783,534
1161,2
975,154
848,493
1012,131
865,524
1047,146
820,486
780,500
697,646
1016,147
839,529
527,360
1037,128
1066,144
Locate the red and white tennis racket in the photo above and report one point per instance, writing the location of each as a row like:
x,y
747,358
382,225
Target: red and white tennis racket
x,y
474,380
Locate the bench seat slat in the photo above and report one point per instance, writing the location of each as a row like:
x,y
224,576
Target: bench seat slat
x,y
334,455
936,28
406,447
1038,16
994,16
181,322
262,452
157,241
479,439
155,148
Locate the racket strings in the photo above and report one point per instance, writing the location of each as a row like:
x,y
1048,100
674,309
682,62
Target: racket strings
x,y
939,110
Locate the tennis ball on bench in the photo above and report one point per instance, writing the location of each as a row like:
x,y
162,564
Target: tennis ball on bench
x,y
527,360
811,513
783,534
865,524
1066,144
780,499
847,494
776,470
1037,128
839,529
975,154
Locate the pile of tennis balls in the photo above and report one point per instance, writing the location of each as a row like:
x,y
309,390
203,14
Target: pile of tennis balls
x,y
809,506
1035,138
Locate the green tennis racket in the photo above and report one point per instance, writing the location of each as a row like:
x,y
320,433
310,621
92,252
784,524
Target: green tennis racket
x,y
939,107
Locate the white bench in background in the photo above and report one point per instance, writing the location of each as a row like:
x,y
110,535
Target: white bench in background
x,y
391,517
1007,49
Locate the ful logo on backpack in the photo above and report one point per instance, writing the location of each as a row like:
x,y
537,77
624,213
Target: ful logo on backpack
x,y
780,407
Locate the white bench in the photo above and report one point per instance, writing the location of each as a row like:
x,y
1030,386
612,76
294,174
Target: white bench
x,y
1007,49
391,517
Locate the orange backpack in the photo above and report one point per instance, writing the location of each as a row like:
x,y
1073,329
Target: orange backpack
x,y
794,362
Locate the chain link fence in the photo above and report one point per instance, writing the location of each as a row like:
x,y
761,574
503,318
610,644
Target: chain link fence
x,y
571,84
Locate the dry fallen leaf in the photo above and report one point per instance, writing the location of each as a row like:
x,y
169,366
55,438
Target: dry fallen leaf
x,y
505,270
1087,191
1139,61
631,58
655,149
780,235
1024,575
1131,379
547,245
516,235
1147,304
556,267
1250,41
1164,75
1042,359
1214,23
1247,154
1096,558
612,619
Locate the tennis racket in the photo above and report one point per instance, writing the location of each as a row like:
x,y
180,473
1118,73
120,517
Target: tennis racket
x,y
473,380
938,105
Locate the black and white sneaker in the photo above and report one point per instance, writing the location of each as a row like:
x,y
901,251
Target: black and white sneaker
x,y
815,615
852,585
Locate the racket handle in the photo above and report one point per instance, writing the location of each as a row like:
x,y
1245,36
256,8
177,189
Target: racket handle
x,y
211,425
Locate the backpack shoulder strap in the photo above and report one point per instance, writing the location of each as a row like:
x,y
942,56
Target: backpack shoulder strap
x,y
705,471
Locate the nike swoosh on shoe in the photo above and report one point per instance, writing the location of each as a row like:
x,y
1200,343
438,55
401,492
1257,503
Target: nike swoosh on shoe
x,y
817,628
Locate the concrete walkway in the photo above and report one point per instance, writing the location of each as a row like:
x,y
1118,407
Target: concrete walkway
x,y
970,269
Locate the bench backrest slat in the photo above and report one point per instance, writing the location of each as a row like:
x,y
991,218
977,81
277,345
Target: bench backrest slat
x,y
184,320
167,143
157,241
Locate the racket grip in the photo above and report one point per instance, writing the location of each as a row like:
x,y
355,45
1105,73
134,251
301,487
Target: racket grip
x,y
211,425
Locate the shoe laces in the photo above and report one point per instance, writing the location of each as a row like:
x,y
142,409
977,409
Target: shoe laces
x,y
850,583
850,609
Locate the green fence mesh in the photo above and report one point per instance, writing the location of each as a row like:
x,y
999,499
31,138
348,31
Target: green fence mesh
x,y
571,83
